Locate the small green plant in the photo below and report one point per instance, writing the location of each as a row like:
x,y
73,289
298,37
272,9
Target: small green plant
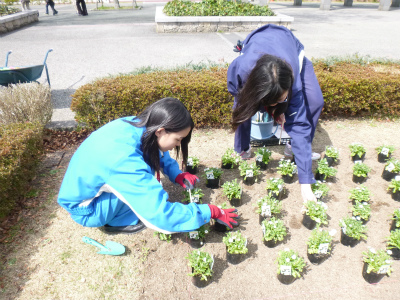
x,y
231,157
361,170
316,211
325,170
193,161
263,155
232,189
212,173
235,243
319,189
196,193
357,149
378,261
353,228
396,217
199,233
385,149
392,165
273,230
361,210
163,236
225,206
201,264
267,206
320,242
394,239
394,185
332,152
275,186
286,167
290,263
249,169
360,194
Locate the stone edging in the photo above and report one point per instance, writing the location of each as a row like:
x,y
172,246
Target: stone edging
x,y
166,24
15,21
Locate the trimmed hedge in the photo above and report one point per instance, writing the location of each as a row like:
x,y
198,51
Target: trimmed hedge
x,y
350,90
20,148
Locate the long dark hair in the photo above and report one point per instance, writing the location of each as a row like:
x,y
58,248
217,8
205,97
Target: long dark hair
x,y
167,113
268,80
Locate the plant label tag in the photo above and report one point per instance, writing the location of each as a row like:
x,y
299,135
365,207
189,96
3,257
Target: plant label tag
x,y
259,158
212,262
323,248
286,270
358,161
397,178
210,175
384,269
249,173
265,210
318,194
385,151
196,199
263,229
194,234
344,229
390,167
190,162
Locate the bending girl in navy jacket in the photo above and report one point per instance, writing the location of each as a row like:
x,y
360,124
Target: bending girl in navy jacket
x,y
273,75
111,181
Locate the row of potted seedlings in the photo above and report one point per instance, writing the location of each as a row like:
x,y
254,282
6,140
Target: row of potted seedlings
x,y
319,245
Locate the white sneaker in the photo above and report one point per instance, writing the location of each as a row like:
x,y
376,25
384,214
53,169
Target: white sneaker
x,y
289,153
246,154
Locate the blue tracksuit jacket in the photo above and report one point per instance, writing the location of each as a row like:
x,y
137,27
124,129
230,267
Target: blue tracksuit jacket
x,y
280,42
110,160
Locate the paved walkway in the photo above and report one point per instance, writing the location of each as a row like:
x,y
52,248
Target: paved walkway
x,y
112,42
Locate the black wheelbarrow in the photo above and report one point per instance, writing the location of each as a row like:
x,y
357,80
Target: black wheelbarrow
x,y
23,74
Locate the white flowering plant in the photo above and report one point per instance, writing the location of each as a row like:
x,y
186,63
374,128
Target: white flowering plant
x,y
332,152
247,168
196,193
394,185
394,239
319,189
325,170
274,230
263,155
320,237
275,206
215,173
361,210
378,261
388,149
392,165
163,236
316,211
235,243
360,194
275,185
193,161
287,167
357,149
361,170
232,189
290,258
231,157
199,233
353,228
201,264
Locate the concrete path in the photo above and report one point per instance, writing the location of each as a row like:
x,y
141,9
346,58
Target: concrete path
x,y
112,42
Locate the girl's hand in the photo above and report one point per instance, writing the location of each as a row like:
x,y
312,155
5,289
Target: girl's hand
x,y
307,193
186,180
281,120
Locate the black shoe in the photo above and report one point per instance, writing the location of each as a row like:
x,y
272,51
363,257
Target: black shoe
x,y
54,13
130,229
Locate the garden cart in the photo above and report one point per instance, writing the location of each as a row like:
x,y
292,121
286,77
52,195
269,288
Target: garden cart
x,y
23,74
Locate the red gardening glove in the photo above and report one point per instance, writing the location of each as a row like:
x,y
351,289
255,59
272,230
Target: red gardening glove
x,y
186,180
223,216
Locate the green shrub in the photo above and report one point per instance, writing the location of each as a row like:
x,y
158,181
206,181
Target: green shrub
x,y
20,148
215,8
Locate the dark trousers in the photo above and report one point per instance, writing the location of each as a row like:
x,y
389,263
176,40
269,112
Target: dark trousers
x,y
51,4
81,7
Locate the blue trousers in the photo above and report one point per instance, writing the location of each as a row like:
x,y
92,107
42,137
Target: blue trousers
x,y
314,103
108,209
